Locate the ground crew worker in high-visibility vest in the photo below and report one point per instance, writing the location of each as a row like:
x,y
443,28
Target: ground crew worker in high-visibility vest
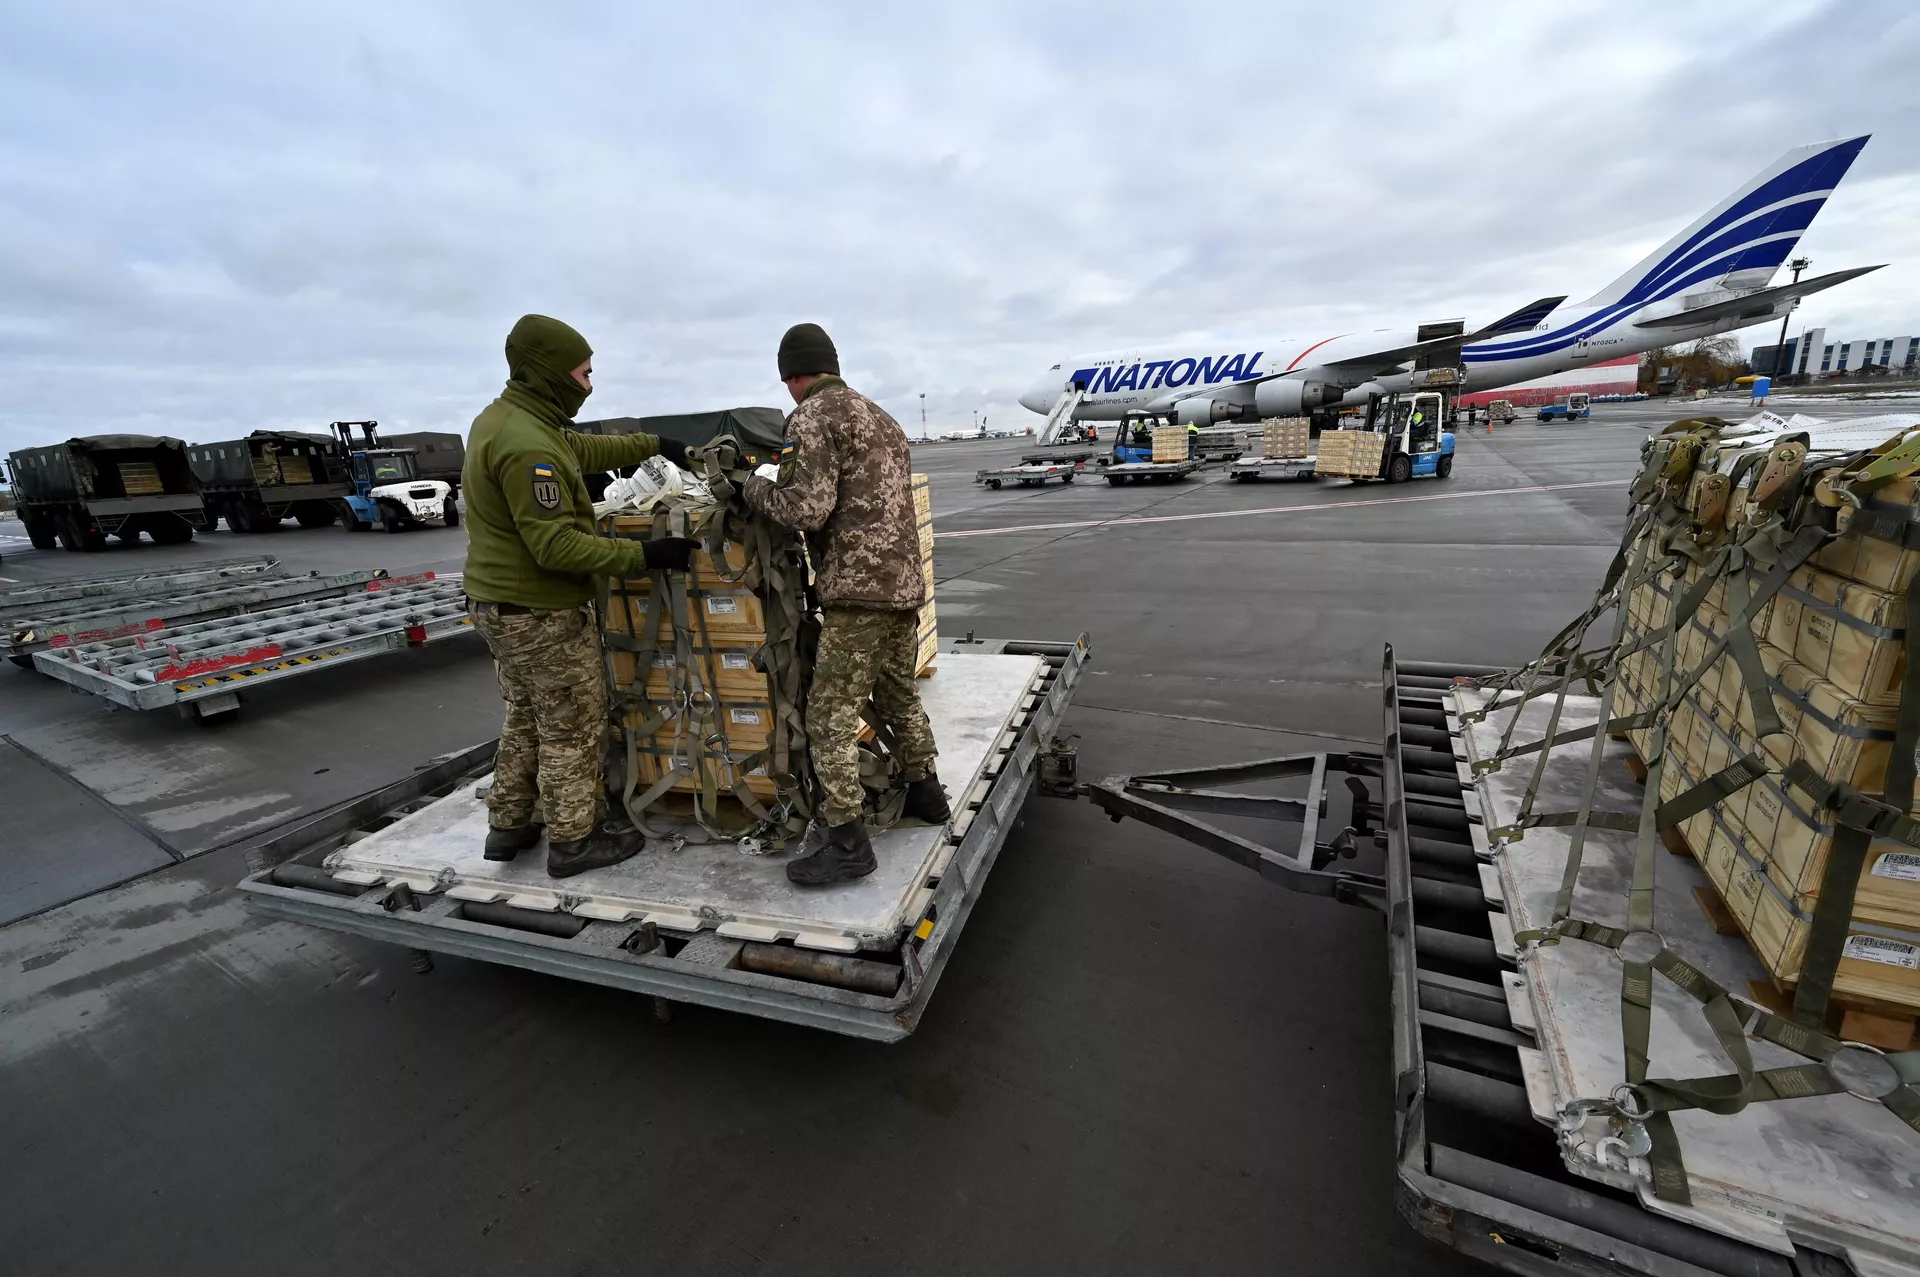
x,y
532,560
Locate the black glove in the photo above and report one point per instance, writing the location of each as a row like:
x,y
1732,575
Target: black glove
x,y
671,553
674,451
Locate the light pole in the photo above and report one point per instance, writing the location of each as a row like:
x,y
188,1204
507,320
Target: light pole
x,y
1780,351
923,414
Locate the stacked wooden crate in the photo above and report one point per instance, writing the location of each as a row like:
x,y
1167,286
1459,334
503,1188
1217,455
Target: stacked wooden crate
x,y
141,479
1170,443
728,624
929,629
1350,453
1283,437
1832,647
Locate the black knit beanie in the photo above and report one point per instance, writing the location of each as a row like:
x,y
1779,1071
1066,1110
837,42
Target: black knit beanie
x,y
807,349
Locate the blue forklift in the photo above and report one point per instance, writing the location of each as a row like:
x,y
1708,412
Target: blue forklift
x,y
386,487
1131,460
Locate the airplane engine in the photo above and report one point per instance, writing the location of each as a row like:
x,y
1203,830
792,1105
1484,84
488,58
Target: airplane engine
x,y
1288,397
1202,412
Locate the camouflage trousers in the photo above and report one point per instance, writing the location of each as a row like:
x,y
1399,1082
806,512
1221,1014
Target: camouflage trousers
x,y
863,654
548,665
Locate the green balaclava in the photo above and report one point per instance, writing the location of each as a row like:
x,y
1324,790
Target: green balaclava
x,y
541,355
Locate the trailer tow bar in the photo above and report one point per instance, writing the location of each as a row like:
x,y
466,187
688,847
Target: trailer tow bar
x,y
1163,800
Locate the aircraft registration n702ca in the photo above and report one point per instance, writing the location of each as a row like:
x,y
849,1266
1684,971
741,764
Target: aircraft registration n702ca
x,y
1712,277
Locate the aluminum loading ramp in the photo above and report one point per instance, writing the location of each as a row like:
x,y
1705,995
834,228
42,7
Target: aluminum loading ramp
x,y
50,613
1834,1167
703,922
199,666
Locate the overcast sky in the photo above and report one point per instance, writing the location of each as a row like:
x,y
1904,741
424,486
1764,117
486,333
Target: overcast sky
x,y
216,217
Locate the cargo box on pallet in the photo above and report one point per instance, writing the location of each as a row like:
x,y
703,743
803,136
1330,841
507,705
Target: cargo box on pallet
x,y
1350,453
1282,437
1170,443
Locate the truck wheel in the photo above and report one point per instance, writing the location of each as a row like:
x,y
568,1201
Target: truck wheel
x,y
82,534
1443,467
1115,480
994,484
451,513
175,531
241,518
1399,469
42,533
390,521
314,516
129,533
1067,478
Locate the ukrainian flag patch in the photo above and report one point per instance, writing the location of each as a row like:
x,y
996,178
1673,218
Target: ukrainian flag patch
x,y
543,472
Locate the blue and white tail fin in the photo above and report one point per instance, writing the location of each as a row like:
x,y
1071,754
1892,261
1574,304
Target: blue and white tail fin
x,y
1744,239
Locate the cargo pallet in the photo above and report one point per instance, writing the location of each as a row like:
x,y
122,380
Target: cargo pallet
x,y
1029,476
199,666
1478,1133
148,604
694,953
15,599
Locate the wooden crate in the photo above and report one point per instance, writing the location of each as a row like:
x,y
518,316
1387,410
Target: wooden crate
x,y
929,641
1285,437
1170,443
141,479
1350,453
1848,633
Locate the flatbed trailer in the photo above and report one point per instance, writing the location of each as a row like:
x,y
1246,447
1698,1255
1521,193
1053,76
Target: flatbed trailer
x,y
1254,469
708,923
1029,476
1058,456
1493,1157
1150,471
199,666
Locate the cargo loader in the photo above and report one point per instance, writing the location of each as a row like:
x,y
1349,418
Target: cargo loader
x,y
692,919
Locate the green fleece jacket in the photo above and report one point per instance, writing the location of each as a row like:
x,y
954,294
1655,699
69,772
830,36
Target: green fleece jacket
x,y
530,530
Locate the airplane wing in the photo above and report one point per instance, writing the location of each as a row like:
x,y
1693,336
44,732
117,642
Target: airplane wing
x,y
1758,305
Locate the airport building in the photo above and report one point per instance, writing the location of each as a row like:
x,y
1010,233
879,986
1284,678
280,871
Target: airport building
x,y
1811,354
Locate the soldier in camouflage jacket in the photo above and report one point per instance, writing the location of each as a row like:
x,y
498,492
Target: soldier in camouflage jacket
x,y
846,482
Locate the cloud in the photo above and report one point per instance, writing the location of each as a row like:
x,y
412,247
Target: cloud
x,y
216,218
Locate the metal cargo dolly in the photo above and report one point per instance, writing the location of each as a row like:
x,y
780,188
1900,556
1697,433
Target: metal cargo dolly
x,y
1028,475
198,667
1486,1160
704,923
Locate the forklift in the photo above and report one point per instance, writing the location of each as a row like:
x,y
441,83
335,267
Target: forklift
x,y
386,487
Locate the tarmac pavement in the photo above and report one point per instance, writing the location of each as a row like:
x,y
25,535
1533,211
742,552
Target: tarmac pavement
x,y
1141,1060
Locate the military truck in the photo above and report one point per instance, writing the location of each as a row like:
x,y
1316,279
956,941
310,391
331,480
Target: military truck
x,y
255,482
83,491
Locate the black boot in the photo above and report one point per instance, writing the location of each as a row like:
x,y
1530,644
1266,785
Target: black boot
x,y
611,843
848,854
505,844
926,801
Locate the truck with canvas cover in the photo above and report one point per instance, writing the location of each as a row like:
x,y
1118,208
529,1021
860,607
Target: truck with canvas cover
x,y
255,482
85,490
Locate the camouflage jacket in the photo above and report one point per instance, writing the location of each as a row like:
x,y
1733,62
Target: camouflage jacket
x,y
847,483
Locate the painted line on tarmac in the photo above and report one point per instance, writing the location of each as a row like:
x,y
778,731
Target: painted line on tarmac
x,y
1278,509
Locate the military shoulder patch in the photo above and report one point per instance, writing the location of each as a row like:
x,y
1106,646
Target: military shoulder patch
x,y
546,487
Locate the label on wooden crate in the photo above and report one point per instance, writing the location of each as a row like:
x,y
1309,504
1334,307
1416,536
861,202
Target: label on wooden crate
x,y
1898,864
735,661
750,717
664,661
1895,953
721,605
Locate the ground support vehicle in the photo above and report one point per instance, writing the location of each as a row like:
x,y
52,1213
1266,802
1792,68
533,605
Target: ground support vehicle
x,y
255,482
385,488
1495,1156
1416,443
199,666
437,454
1253,469
81,492
711,923
1573,408
1027,475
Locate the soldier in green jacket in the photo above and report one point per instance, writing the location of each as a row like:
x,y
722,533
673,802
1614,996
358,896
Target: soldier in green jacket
x,y
532,558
